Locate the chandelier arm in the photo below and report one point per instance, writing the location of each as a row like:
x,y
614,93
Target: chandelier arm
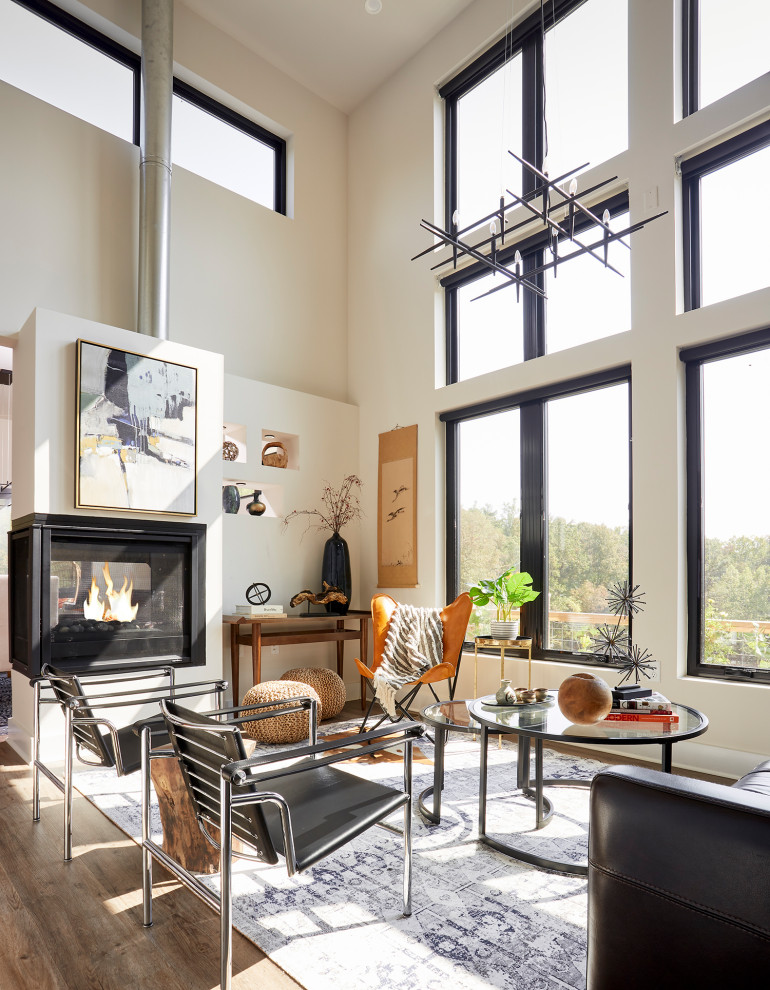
x,y
478,256
589,248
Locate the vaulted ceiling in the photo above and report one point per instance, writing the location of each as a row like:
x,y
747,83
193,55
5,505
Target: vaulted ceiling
x,y
334,47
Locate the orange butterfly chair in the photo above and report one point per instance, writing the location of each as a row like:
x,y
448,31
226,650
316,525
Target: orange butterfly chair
x,y
454,618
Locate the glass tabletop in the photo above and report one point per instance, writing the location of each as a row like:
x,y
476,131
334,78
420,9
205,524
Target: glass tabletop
x,y
453,714
546,721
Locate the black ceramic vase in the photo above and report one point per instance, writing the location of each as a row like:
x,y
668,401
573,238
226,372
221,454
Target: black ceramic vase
x,y
335,571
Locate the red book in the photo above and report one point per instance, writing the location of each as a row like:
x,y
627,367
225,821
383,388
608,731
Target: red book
x,y
631,716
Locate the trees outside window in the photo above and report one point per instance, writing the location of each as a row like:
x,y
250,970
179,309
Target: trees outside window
x,y
728,516
527,458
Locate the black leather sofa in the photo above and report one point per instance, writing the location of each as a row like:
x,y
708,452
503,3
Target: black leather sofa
x,y
678,881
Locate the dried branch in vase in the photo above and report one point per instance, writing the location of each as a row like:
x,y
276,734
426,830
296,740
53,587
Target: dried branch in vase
x,y
340,507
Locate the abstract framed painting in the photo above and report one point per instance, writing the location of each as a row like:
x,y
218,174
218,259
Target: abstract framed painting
x,y
136,432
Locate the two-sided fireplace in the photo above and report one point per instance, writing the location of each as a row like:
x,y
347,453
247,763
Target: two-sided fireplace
x,y
101,594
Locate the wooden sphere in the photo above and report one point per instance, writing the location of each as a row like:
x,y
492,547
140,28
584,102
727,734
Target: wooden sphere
x,y
584,698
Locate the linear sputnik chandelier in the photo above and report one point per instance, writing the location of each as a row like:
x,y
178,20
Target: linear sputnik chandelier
x,y
554,199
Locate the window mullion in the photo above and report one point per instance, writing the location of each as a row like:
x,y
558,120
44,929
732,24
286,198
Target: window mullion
x,y
534,310
532,138
533,533
694,427
690,57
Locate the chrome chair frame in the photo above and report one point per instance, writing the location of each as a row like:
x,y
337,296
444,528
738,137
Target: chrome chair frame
x,y
241,774
74,716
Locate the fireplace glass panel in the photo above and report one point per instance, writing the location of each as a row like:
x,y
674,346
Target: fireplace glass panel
x,y
116,600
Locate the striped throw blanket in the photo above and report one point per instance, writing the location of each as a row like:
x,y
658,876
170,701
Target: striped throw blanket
x,y
414,643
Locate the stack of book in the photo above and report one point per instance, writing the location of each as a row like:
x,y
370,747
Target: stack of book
x,y
263,611
638,704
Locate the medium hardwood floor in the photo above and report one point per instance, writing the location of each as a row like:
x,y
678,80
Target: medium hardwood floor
x,y
79,924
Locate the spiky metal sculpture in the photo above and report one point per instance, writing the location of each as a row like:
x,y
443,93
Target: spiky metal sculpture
x,y
612,645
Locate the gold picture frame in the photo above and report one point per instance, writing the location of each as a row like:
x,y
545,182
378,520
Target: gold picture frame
x,y
136,434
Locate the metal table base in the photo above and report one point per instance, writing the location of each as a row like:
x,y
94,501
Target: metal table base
x,y
543,806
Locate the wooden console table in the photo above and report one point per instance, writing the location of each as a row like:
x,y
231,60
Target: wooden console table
x,y
248,631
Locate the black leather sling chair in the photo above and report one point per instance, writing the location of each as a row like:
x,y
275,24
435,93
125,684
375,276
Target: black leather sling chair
x,y
83,697
303,811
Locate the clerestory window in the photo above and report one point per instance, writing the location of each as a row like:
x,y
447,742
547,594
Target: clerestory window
x,y
722,50
712,184
55,57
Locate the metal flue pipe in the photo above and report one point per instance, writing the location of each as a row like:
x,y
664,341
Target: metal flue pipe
x,y
155,167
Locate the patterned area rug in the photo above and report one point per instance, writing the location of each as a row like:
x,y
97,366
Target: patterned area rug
x,y
480,919
5,706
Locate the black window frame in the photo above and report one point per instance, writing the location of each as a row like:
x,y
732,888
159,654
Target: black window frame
x,y
693,169
524,39
95,39
694,358
102,43
691,57
534,486
535,315
254,130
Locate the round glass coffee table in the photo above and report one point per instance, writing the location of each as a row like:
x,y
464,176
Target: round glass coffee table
x,y
539,722
444,717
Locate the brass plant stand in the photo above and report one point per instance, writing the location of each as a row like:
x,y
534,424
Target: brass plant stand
x,y
486,642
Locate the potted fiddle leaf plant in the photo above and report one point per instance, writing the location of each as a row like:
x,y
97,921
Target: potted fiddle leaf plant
x,y
507,593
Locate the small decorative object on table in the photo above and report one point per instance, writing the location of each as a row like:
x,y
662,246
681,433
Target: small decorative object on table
x,y
329,594
506,695
258,593
612,643
508,592
584,698
340,506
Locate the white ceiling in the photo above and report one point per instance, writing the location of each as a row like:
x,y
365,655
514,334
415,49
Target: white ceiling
x,y
333,47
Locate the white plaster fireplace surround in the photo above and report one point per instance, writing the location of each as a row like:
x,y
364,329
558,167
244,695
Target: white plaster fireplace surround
x,y
44,461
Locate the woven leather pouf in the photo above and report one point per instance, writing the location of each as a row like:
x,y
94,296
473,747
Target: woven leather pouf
x,y
282,728
328,684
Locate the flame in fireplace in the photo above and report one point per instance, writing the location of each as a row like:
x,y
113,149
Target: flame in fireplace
x,y
116,606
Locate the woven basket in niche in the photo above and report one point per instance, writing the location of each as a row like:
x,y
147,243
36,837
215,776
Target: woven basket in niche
x,y
328,684
281,728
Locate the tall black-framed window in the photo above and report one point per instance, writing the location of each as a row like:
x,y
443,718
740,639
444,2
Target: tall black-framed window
x,y
525,488
585,301
713,183
728,519
53,55
721,50
499,102
60,59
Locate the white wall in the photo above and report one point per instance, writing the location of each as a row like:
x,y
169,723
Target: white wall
x,y
44,457
288,559
396,326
